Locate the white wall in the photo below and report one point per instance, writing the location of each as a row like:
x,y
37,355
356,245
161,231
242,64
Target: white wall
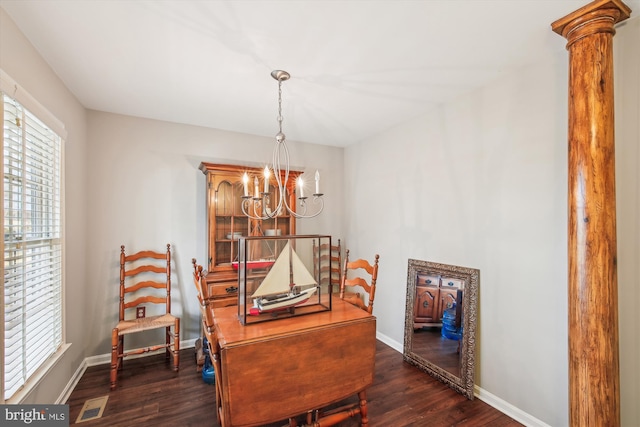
x,y
627,113
146,190
21,61
482,183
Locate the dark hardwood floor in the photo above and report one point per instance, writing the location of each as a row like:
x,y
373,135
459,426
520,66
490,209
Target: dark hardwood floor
x,y
149,393
437,349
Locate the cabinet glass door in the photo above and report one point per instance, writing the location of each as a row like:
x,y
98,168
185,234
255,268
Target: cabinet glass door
x,y
230,223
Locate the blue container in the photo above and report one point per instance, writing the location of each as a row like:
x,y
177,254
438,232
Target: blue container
x,y
208,373
449,329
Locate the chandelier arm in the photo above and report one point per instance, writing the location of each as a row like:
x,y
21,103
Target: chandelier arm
x,y
250,209
279,151
287,207
277,207
246,201
316,200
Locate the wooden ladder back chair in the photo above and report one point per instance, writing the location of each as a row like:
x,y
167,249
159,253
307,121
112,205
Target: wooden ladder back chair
x,y
208,329
329,275
201,288
145,278
204,298
365,281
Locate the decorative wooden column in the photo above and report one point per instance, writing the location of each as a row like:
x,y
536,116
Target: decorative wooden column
x,y
594,383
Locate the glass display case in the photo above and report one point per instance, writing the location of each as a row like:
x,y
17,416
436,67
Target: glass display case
x,y
278,277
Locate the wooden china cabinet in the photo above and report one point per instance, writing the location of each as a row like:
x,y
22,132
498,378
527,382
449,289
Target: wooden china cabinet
x,y
226,223
434,295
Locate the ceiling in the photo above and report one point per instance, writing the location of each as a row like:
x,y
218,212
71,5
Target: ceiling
x,y
358,67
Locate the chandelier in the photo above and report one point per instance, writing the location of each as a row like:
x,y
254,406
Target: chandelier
x,y
256,205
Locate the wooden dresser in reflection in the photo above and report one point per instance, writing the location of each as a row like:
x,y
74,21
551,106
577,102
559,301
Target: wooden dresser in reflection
x,y
434,294
275,370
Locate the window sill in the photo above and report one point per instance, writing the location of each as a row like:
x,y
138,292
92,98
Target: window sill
x,y
35,379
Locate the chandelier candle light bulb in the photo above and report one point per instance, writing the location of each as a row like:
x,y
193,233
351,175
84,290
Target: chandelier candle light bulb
x,y
245,180
266,179
317,182
301,185
256,183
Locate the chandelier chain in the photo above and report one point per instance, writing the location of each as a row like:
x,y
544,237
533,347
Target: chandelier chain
x,y
280,118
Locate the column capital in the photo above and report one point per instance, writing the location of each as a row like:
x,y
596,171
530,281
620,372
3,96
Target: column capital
x,y
595,17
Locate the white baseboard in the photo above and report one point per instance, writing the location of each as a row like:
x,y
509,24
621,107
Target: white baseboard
x,y
508,409
488,398
390,342
64,396
103,359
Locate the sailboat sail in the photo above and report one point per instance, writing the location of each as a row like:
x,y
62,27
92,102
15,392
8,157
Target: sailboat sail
x,y
278,279
301,276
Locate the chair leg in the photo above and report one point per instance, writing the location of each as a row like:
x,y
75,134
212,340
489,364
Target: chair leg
x,y
121,352
364,420
218,398
167,340
115,340
176,346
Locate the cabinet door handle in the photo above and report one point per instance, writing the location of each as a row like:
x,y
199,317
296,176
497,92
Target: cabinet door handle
x,y
231,289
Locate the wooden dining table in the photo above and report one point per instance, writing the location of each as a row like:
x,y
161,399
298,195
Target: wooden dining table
x,y
276,370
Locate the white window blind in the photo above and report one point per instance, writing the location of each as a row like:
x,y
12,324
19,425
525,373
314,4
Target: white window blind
x,y
32,294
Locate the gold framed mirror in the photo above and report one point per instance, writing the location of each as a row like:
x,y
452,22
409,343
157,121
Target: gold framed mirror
x,y
440,322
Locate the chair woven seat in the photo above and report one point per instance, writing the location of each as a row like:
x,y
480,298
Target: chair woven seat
x,y
145,323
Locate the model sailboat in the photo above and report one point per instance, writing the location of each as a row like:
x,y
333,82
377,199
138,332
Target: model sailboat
x,y
281,288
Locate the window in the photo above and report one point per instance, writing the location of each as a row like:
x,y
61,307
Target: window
x,y
32,224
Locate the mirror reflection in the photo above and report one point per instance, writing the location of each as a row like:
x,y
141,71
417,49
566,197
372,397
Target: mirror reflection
x,y
440,322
